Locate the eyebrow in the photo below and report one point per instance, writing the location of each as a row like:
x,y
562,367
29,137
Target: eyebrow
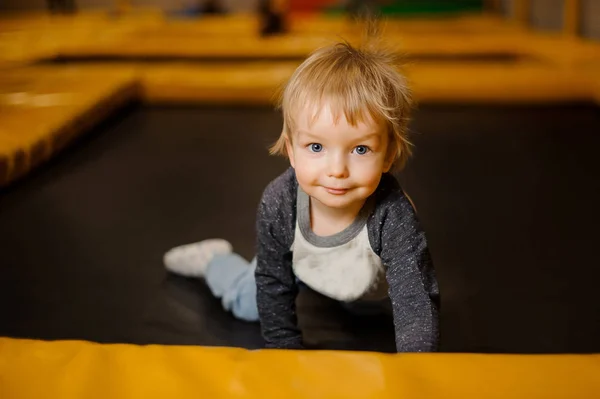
x,y
366,137
370,136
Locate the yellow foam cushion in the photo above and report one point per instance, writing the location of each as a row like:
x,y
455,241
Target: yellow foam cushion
x,y
44,108
74,369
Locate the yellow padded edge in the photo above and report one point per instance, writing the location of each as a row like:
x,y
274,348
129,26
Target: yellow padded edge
x,y
257,83
74,369
550,67
43,109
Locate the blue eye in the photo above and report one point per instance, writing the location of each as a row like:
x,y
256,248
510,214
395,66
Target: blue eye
x,y
315,147
361,149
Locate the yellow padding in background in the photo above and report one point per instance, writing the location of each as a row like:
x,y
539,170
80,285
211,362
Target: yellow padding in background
x,y
74,369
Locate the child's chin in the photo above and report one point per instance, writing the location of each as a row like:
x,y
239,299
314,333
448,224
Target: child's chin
x,y
335,201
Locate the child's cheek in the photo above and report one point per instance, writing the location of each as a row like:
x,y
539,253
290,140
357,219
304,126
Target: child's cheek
x,y
306,171
368,172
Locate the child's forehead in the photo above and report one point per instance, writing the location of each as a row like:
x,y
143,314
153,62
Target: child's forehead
x,y
328,113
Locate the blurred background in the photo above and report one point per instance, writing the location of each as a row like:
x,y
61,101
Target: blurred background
x,y
545,15
541,14
131,127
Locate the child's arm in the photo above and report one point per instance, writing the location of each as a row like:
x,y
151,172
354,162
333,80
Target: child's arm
x,y
411,278
275,279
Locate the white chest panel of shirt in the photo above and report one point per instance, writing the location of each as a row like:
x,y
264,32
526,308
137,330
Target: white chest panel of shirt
x,y
346,272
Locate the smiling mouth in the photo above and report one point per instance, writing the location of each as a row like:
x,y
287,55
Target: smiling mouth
x,y
336,191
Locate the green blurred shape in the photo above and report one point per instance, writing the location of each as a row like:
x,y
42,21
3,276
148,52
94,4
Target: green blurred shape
x,y
419,7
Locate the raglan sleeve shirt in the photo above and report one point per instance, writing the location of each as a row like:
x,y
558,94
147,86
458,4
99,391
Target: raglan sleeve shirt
x,y
395,236
275,280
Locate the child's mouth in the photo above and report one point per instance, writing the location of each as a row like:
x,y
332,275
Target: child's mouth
x,y
336,191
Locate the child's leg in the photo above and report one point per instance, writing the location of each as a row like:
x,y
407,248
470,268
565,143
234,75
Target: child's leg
x,y
228,275
191,260
231,278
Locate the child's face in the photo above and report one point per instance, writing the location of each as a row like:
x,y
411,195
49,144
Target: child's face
x,y
338,164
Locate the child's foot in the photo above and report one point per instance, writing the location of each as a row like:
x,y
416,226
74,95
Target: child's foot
x,y
191,260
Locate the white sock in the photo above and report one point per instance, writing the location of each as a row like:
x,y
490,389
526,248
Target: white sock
x,y
191,260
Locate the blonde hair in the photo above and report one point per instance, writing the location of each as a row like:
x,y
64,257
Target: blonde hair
x,y
356,82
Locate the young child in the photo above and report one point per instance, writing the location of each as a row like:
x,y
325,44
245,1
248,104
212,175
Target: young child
x,y
336,220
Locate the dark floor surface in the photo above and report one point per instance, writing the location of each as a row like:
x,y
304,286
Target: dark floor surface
x,y
509,197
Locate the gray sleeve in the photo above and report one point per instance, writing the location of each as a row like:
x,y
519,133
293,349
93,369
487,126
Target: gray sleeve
x,y
275,279
397,237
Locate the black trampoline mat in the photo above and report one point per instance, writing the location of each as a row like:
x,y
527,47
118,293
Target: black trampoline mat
x,y
507,195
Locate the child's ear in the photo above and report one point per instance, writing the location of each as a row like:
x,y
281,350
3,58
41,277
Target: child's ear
x,y
290,152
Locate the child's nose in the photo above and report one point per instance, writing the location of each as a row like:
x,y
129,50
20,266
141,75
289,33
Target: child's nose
x,y
338,167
